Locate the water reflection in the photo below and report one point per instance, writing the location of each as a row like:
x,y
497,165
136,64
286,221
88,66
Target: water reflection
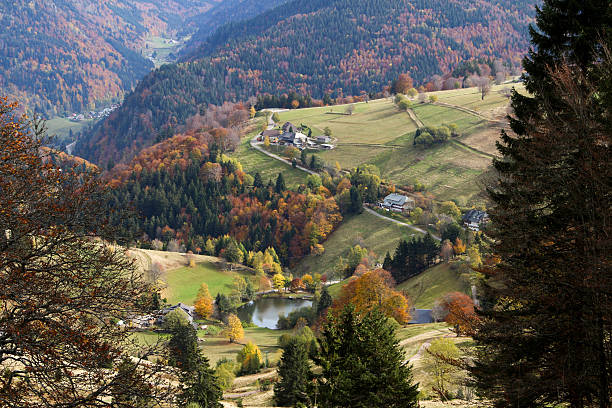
x,y
265,312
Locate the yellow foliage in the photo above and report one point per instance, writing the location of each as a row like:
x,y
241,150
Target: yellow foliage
x,y
279,281
234,330
204,302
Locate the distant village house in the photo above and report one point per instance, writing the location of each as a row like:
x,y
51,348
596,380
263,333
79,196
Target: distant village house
x,y
397,203
474,219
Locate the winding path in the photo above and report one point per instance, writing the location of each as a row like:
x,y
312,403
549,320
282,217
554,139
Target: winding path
x,y
415,118
412,227
472,112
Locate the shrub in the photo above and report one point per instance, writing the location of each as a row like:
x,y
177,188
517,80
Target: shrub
x,y
249,358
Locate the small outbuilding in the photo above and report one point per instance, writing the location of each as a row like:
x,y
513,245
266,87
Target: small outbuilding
x,y
421,316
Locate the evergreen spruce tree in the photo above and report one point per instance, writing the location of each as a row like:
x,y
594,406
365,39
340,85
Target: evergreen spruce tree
x,y
356,201
388,262
294,373
258,181
199,383
362,364
201,386
183,345
325,301
546,318
280,184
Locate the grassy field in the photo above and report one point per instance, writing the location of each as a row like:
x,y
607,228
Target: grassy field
x,y
365,229
471,98
218,347
183,283
371,123
62,126
449,171
435,115
254,161
159,49
434,283
379,134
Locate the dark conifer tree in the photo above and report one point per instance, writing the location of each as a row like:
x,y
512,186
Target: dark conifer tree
x,y
183,345
258,182
545,336
356,201
388,262
280,184
200,385
362,364
325,301
294,373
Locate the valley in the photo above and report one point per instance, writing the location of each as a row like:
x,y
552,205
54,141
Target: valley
x,y
305,203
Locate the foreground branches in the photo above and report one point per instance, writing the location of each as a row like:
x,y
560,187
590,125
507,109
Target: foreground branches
x,y
63,287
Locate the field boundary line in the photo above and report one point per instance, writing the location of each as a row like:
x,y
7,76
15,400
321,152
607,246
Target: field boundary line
x,y
412,227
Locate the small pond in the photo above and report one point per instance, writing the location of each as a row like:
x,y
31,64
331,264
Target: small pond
x,y
266,311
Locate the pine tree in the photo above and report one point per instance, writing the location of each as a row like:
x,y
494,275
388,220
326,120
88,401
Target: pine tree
x,y
294,373
546,316
324,302
199,383
201,386
257,181
280,184
362,364
388,262
356,201
183,345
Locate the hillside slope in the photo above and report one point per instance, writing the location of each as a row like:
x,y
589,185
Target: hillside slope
x,y
228,11
315,47
60,56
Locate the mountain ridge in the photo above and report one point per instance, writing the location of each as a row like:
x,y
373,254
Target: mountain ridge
x,y
314,48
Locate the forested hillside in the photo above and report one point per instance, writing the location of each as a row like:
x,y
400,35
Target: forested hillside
x,y
315,47
228,11
60,56
192,196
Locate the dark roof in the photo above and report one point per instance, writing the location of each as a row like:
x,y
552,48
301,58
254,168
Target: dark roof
x,y
271,133
421,316
474,217
290,127
290,137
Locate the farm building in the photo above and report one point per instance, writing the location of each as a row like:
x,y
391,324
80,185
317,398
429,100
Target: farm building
x,y
271,133
397,203
421,316
323,139
474,219
189,310
298,139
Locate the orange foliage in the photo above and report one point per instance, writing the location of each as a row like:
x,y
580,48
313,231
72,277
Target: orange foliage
x,y
374,289
461,312
459,246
